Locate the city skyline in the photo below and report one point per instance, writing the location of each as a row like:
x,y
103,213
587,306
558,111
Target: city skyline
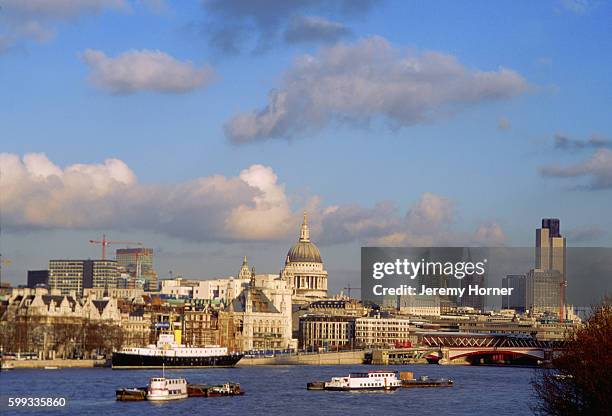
x,y
217,151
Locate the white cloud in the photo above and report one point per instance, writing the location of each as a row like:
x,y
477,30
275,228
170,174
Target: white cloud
x,y
429,221
371,78
36,194
37,19
144,70
489,234
598,169
269,216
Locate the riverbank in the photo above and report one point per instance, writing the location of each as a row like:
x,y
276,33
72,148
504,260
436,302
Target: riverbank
x,y
328,358
57,363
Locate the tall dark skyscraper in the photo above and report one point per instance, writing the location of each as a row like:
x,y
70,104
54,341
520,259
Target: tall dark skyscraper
x,y
544,284
553,226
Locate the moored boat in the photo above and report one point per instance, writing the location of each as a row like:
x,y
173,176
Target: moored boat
x,y
227,389
164,389
197,390
316,385
371,380
170,354
408,381
131,395
6,365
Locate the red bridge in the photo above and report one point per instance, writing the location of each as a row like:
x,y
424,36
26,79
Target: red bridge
x,y
449,347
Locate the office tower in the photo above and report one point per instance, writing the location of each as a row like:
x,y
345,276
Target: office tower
x,y
66,276
76,275
100,274
38,278
139,264
550,246
518,297
545,283
543,288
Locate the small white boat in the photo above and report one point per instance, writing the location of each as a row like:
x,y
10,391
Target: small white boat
x,y
51,367
372,380
6,365
164,389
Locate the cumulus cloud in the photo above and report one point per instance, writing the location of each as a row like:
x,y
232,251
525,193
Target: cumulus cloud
x,y
489,234
598,169
35,193
269,214
566,143
144,70
429,221
37,19
358,82
312,29
586,234
235,25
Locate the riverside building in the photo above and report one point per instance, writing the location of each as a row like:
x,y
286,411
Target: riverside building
x,y
72,276
381,332
324,331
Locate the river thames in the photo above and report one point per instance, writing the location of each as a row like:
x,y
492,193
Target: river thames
x,y
276,390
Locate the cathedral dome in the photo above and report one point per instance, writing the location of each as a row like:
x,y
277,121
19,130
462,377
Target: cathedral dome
x,y
304,250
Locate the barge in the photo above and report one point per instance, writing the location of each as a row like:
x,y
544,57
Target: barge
x,y
131,395
407,379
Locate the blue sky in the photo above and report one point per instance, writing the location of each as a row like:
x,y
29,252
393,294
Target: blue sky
x,y
497,163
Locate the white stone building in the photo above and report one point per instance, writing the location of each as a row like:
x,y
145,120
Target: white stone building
x,y
381,332
304,269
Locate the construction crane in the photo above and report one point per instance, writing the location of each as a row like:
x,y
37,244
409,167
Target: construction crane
x,y
349,288
104,242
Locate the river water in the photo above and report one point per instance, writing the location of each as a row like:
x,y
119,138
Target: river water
x,y
275,390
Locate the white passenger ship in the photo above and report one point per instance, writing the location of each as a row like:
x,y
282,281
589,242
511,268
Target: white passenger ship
x,y
372,380
171,354
163,389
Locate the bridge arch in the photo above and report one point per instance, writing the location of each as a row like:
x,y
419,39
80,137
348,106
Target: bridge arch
x,y
497,356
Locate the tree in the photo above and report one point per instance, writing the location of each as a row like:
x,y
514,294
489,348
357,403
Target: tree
x,y
580,382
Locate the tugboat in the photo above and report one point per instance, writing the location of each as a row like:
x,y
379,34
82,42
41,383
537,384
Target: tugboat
x,y
372,380
172,354
164,389
227,389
